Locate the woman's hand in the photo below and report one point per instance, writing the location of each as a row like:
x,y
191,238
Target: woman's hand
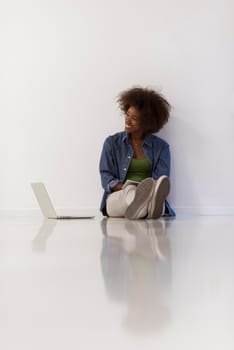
x,y
117,187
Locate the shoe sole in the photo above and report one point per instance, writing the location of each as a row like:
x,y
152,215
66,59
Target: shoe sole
x,y
161,191
142,196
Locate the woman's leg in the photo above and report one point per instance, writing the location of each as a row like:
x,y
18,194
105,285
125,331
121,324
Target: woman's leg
x,y
138,209
156,205
136,202
118,202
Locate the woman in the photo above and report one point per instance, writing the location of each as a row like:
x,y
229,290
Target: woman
x,y
138,156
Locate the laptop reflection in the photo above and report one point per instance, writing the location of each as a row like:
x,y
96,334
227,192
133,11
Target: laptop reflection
x,y
45,231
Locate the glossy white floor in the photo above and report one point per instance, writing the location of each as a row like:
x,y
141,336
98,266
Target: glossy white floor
x,y
117,284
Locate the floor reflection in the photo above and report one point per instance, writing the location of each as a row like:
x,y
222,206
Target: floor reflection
x,y
45,231
136,267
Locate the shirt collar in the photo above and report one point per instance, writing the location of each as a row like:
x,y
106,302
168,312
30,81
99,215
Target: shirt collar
x,y
147,139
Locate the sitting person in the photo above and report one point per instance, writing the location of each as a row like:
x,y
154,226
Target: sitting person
x,y
135,164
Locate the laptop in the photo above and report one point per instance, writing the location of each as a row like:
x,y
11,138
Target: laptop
x,y
46,205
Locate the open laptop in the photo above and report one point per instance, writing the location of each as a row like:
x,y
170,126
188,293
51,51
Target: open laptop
x,y
46,205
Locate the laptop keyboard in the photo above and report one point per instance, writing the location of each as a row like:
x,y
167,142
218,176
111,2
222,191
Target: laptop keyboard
x,y
73,217
65,217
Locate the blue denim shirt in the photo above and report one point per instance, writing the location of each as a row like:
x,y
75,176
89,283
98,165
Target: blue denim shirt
x,y
116,156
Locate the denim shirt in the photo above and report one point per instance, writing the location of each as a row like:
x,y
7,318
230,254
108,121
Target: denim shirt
x,y
117,153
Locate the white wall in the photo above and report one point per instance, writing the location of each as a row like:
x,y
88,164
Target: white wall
x,y
62,64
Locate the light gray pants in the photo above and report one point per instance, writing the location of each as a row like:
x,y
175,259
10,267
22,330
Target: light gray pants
x,y
117,202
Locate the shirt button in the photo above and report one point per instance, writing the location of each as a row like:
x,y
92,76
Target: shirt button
x,y
125,169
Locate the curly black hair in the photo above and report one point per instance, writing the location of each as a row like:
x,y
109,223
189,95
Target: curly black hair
x,y
154,109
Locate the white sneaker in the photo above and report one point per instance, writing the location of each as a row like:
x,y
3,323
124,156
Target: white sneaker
x,y
160,193
138,208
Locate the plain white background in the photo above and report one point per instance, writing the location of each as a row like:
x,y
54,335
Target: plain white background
x,y
62,65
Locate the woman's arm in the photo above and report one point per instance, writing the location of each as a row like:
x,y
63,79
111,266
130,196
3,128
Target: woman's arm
x,y
108,168
162,166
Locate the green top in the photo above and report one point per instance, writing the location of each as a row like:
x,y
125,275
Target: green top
x,y
139,169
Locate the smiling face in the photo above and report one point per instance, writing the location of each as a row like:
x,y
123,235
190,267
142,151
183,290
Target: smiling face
x,y
133,121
